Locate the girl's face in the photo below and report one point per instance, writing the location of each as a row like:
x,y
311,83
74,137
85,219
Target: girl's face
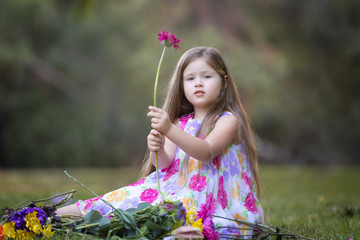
x,y
202,84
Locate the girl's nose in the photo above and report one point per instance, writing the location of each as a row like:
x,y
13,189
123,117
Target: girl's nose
x,y
198,82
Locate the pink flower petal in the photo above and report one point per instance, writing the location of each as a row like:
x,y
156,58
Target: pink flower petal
x,y
168,39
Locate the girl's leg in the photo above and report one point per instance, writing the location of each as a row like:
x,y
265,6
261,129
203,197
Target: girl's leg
x,y
69,210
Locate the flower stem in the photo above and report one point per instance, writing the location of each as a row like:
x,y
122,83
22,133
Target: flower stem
x,y
157,75
155,91
107,203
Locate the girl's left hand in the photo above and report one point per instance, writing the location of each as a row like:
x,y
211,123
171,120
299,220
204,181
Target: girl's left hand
x,y
159,119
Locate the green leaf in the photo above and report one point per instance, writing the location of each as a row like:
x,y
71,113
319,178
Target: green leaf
x,y
131,233
143,238
115,238
158,232
112,232
143,205
104,222
152,226
127,218
92,217
132,210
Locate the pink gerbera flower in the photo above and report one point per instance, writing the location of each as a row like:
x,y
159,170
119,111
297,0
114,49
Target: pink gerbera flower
x,y
169,39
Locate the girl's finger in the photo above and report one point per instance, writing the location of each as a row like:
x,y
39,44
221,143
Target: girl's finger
x,y
154,132
155,109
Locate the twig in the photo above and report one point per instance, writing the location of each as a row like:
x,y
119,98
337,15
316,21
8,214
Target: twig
x,y
107,203
286,233
62,201
25,203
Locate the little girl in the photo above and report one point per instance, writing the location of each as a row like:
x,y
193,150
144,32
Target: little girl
x,y
205,149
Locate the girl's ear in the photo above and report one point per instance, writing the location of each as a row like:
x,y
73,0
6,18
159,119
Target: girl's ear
x,y
225,82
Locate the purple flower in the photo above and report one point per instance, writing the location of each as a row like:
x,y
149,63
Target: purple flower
x,y
19,217
180,215
169,39
180,204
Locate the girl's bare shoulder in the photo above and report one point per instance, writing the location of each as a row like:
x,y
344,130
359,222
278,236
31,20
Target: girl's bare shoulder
x,y
228,121
229,124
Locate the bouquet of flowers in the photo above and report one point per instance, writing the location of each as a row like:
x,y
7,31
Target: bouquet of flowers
x,y
26,223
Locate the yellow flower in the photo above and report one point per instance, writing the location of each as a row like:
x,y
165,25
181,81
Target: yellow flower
x,y
46,231
8,229
198,224
191,215
33,223
24,235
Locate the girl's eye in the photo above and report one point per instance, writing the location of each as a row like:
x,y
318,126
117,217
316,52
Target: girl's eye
x,y
207,76
190,78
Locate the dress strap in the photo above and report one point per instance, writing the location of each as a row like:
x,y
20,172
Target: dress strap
x,y
184,119
226,114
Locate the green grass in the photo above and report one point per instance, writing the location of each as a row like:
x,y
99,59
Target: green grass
x,y
317,202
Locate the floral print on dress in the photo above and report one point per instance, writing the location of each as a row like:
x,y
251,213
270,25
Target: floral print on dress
x,y
171,170
246,178
223,187
149,195
138,183
197,183
217,162
222,197
250,203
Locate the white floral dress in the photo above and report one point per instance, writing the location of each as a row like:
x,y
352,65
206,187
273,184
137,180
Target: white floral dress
x,y
223,187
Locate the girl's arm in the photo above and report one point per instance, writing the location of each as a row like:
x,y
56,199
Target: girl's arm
x,y
223,134
163,146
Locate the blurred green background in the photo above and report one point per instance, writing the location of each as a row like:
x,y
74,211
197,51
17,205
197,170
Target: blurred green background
x,y
76,77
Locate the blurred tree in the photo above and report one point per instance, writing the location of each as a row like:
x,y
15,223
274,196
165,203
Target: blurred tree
x,y
319,107
75,76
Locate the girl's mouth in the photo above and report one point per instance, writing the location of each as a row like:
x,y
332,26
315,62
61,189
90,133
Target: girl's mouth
x,y
199,93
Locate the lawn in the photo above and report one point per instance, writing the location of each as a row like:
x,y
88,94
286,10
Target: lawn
x,y
317,202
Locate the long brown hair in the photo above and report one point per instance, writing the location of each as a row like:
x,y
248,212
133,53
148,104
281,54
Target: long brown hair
x,y
177,105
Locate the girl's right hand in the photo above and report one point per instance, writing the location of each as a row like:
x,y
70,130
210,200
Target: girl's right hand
x,y
155,141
